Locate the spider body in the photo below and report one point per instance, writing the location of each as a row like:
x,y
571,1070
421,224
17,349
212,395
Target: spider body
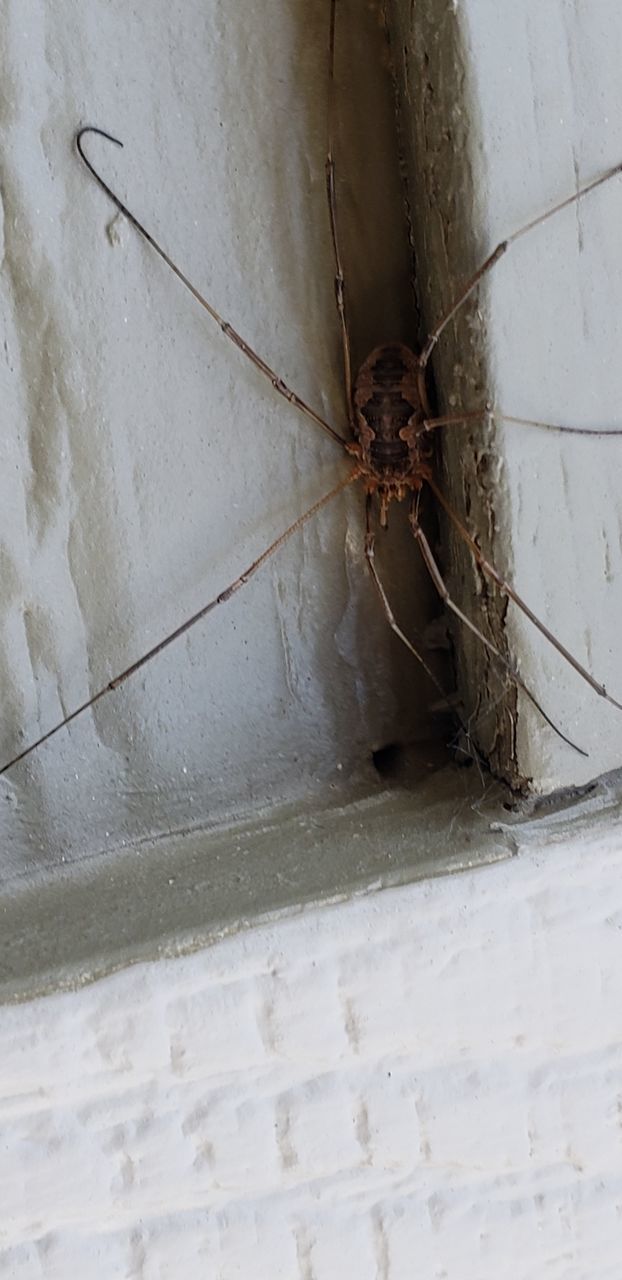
x,y
390,409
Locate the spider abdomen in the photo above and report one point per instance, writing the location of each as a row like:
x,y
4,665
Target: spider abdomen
x,y
388,411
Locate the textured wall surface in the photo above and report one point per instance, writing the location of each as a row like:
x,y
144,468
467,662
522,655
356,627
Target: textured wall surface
x,y
512,108
425,1082
145,462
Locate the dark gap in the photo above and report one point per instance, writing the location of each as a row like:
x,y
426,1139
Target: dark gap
x,y
387,760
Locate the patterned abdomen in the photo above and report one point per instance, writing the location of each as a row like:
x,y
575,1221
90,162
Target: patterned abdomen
x,y
388,410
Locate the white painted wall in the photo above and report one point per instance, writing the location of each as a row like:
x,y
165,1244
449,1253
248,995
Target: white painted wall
x,y
421,1082
513,106
145,462
560,114
426,1078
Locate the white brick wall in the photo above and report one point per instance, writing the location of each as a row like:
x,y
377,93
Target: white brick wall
x,y
425,1082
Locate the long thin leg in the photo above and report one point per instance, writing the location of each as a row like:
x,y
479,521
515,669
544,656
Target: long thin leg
x,y
332,213
508,590
278,384
370,542
181,630
556,426
498,253
477,415
439,583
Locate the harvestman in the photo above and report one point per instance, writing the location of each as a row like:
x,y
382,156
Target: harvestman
x,y
388,452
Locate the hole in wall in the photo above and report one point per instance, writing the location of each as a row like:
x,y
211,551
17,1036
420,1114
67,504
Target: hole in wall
x,y
388,760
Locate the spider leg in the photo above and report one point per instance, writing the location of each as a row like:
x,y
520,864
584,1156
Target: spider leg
x,y
332,213
279,386
185,626
439,583
370,542
508,590
498,253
